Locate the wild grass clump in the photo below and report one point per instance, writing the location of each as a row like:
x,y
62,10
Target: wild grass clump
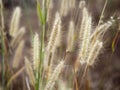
x,y
40,72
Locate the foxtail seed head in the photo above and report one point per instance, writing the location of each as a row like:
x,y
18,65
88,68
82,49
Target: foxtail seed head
x,y
54,33
36,50
14,24
54,76
95,50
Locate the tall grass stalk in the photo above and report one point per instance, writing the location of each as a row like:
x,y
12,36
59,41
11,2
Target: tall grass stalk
x,y
42,15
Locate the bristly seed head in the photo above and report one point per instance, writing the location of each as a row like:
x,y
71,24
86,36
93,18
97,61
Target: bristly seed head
x,y
95,50
54,33
54,76
36,50
14,24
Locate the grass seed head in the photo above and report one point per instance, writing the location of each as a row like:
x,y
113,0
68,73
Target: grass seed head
x,y
54,76
14,24
101,29
54,36
95,50
85,32
36,51
54,33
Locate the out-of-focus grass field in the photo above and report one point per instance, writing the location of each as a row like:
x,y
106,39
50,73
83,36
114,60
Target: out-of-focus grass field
x,y
103,75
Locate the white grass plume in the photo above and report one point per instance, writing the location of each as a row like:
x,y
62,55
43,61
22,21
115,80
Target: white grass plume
x,y
85,35
54,76
14,24
86,40
58,37
55,34
101,29
83,23
36,52
95,50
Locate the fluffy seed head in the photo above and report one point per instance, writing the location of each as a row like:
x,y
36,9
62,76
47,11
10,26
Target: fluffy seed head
x,y
83,23
14,24
54,76
101,29
86,40
54,33
94,52
57,42
36,50
84,35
